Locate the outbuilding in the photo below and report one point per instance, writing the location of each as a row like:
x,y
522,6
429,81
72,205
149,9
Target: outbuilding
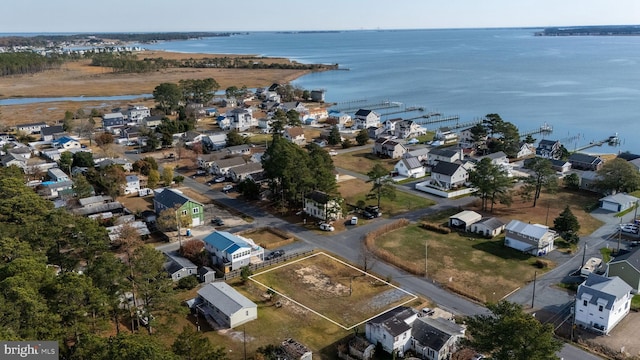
x,y
464,219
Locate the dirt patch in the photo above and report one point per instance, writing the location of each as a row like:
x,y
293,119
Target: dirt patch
x,y
321,282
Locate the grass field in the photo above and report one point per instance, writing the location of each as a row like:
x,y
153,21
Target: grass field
x,y
476,267
332,289
357,189
268,238
362,161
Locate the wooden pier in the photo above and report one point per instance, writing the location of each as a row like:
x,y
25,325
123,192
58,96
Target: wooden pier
x,y
543,129
433,118
612,140
374,106
406,110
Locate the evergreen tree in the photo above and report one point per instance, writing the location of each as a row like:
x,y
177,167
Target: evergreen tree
x,y
566,222
382,184
363,137
492,182
334,136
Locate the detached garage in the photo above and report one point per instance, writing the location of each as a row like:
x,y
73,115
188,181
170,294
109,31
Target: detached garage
x,y
464,219
618,202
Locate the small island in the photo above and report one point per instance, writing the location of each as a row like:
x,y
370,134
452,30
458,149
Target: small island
x,y
609,30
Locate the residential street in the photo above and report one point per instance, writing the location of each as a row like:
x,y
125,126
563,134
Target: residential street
x,y
348,244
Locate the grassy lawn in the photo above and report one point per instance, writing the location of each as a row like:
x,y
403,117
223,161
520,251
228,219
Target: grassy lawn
x,y
357,189
362,161
480,268
268,238
606,254
333,289
635,302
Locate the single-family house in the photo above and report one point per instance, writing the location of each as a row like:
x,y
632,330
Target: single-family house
x,y
224,122
435,338
489,227
548,149
32,128
232,252
560,166
52,190
389,125
464,219
22,150
165,198
191,137
392,330
132,185
526,150
535,239
466,139
66,143
136,113
124,163
241,119
446,135
388,148
588,180
239,173
205,161
375,132
50,133
57,175
221,167
322,206
12,159
222,305
294,105
215,141
448,175
243,149
113,120
366,118
410,167
602,302
338,118
444,154
152,121
406,128
295,135
618,202
421,153
179,267
497,158
585,162
626,266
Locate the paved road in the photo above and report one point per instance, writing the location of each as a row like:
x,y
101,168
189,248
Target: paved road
x,y
349,245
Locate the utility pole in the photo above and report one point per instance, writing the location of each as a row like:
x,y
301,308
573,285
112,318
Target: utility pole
x,y
178,225
619,235
546,220
533,296
425,258
584,254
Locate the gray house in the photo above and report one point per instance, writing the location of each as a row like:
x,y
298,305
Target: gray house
x,y
627,267
179,267
221,305
435,338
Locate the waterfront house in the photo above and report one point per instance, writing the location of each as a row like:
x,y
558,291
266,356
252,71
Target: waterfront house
x,y
526,150
535,239
435,338
618,202
602,302
392,330
322,206
585,162
407,128
222,305
389,125
338,118
548,149
409,167
626,266
366,118
232,252
446,135
447,175
165,198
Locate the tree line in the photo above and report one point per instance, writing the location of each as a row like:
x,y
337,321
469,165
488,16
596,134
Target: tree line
x,y
20,63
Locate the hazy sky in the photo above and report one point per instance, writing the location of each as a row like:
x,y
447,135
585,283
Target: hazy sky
x,y
238,15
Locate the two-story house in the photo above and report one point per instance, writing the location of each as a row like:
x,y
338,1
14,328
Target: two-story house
x,y
132,185
448,175
51,133
407,128
548,149
535,239
231,252
602,302
392,330
338,118
585,162
241,119
322,206
626,266
222,305
409,167
435,338
295,135
113,122
136,113
444,154
221,167
366,118
166,198
388,148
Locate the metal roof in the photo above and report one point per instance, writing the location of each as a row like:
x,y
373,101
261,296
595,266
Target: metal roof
x,y
225,241
601,287
468,216
225,298
536,231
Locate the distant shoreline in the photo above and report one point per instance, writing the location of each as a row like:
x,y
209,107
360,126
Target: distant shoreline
x,y
627,30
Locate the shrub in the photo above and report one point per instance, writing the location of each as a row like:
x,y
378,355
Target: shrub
x,y
436,228
188,283
541,264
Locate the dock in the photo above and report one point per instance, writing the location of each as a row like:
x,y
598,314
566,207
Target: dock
x,y
373,106
433,118
544,129
405,110
612,140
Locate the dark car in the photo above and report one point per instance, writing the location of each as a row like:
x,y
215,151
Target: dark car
x,y
217,221
274,254
367,215
373,210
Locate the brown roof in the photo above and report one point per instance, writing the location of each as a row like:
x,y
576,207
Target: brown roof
x,y
295,131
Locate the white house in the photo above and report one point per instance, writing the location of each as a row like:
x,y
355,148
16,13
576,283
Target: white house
x,y
497,158
535,239
526,150
338,118
602,302
295,135
322,206
57,175
449,175
132,185
435,338
618,202
392,330
222,305
231,252
407,128
409,167
66,142
488,227
221,167
33,128
137,113
366,118
241,119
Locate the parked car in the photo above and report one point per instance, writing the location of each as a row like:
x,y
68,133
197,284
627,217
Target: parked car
x,y
326,227
354,220
373,210
629,228
227,188
274,254
217,221
367,215
220,179
333,153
